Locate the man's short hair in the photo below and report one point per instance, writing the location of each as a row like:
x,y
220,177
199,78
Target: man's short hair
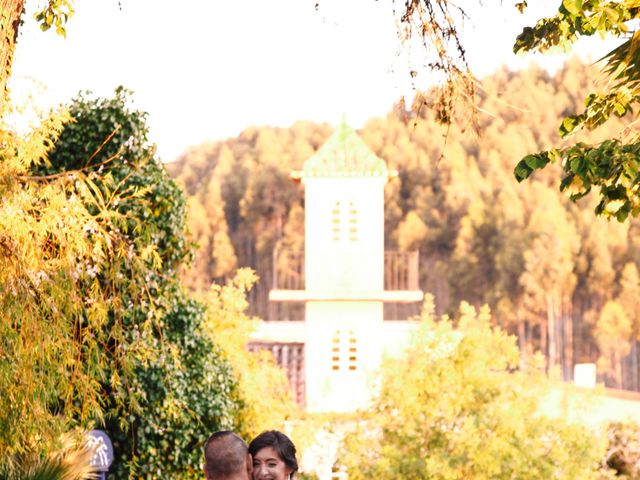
x,y
225,454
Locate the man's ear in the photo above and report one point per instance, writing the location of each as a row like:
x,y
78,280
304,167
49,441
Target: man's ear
x,y
249,464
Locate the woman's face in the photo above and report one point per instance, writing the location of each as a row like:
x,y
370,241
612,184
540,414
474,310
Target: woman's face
x,y
267,465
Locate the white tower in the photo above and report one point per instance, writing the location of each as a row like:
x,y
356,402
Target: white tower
x,y
344,272
344,258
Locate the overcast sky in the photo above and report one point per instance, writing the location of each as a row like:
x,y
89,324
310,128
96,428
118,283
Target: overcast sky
x,y
206,69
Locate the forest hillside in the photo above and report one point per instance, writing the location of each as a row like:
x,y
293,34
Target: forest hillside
x,y
563,280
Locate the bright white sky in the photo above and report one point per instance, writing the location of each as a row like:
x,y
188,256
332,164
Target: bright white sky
x,y
207,69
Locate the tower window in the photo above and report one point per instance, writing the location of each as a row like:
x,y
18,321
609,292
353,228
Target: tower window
x,y
344,221
335,222
352,351
344,351
353,222
335,351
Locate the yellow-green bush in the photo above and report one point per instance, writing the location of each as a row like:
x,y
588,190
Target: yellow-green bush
x,y
263,386
457,406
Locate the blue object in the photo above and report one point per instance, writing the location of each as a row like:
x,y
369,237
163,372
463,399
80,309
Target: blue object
x,y
103,451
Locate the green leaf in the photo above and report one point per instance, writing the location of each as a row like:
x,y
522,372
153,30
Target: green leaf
x,y
595,20
566,182
574,7
568,126
576,165
555,155
622,214
537,160
522,171
619,108
574,197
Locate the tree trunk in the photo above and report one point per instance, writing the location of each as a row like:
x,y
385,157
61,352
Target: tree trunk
x,y
568,333
543,340
634,365
10,13
522,341
617,361
551,333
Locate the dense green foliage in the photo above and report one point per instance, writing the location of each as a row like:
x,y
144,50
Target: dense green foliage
x,y
611,166
455,407
188,391
109,138
96,328
544,265
161,409
58,240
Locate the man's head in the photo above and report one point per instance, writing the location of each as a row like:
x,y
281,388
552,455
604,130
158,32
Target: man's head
x,y
226,457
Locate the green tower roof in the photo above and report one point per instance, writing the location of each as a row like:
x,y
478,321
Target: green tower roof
x,y
344,154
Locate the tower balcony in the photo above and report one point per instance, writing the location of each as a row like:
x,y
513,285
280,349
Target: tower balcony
x,y
400,275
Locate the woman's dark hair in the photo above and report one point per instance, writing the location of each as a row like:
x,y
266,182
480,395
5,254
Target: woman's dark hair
x,y
283,446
